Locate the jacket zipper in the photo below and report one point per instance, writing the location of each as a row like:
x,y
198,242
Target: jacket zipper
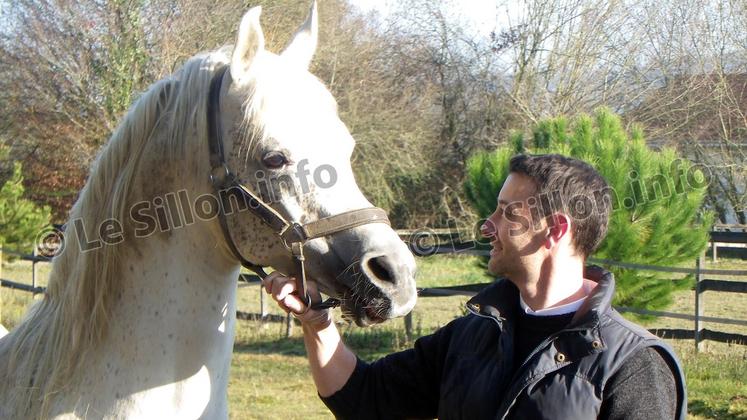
x,y
498,320
503,410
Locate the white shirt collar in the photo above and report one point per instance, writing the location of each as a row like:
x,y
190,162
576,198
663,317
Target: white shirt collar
x,y
567,308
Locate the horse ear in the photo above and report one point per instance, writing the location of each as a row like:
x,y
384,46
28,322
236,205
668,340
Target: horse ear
x,y
249,42
301,49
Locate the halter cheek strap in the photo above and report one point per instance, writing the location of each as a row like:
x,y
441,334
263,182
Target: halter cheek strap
x,y
293,235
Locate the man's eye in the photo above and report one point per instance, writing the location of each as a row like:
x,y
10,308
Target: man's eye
x,y
274,160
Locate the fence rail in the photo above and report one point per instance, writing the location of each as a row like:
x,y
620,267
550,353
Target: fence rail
x,y
698,333
21,286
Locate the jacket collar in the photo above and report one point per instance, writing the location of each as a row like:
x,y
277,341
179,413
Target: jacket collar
x,y
501,299
599,301
583,336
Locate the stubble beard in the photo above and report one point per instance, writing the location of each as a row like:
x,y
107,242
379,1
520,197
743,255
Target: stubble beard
x,y
498,266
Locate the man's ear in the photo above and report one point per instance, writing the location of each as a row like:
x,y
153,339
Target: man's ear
x,y
559,225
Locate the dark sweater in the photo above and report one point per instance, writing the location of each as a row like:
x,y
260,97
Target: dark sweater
x,y
531,330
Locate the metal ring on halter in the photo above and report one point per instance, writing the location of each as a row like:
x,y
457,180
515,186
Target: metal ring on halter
x,y
213,179
296,230
307,302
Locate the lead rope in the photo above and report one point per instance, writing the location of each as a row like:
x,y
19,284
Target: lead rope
x,y
303,293
301,289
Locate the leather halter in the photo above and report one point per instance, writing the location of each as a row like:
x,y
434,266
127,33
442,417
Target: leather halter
x,y
293,235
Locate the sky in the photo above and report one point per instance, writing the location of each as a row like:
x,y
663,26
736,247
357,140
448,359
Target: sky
x,y
484,15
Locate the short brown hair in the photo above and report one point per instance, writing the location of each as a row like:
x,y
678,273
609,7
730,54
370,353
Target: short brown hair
x,y
580,190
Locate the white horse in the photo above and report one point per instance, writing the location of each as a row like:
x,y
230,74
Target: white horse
x,y
138,318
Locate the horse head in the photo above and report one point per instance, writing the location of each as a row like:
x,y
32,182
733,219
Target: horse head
x,y
142,295
284,140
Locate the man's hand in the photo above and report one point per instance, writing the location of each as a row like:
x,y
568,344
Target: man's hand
x,y
283,289
331,362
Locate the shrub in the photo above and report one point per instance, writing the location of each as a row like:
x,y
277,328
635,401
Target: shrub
x,y
656,217
20,219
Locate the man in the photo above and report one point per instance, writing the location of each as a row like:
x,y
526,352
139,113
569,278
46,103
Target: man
x,y
542,342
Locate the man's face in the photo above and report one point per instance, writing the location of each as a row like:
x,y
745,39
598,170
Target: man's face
x,y
514,240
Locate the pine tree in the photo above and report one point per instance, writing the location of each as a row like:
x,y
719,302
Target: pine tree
x,y
21,220
657,216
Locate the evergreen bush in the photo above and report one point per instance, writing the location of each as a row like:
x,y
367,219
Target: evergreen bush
x,y
21,220
656,216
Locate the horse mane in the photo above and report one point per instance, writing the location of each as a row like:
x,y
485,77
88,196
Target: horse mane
x,y
47,351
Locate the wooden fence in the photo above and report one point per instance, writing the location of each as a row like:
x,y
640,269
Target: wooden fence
x,y
703,283
698,317
728,236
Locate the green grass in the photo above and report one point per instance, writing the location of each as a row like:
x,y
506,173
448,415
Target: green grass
x,y
717,381
14,304
270,378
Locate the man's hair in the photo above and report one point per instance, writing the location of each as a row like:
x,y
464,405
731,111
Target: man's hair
x,y
572,187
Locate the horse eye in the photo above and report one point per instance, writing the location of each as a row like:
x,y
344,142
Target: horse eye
x,y
274,160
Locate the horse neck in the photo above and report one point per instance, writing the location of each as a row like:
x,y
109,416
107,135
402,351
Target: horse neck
x,y
170,343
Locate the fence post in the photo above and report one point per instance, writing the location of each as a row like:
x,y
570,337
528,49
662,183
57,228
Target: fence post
x,y
714,254
408,326
288,325
698,303
262,303
34,269
1,276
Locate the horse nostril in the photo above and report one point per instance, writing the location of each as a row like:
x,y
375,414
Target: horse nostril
x,y
379,269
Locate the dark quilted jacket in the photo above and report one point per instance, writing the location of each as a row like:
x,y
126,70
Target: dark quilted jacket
x,y
464,370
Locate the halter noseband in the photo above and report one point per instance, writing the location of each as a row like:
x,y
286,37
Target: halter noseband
x,y
293,235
